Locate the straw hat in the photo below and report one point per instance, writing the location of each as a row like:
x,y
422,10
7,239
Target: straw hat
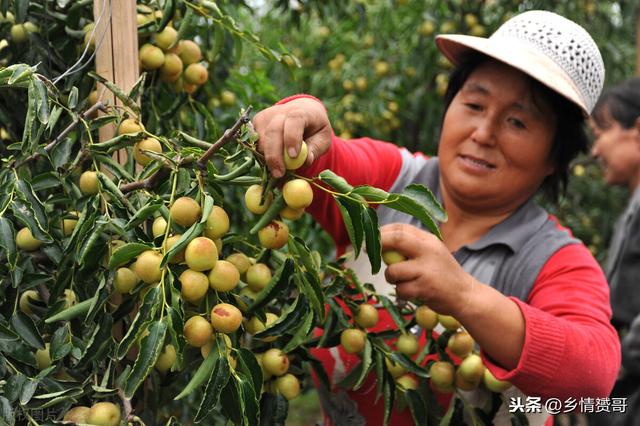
x,y
548,47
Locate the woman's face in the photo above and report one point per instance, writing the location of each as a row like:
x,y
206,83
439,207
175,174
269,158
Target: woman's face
x,y
495,142
618,151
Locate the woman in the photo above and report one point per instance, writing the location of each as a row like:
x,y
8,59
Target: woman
x,y
532,297
615,123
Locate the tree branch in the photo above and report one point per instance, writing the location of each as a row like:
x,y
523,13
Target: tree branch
x,y
95,107
228,135
147,183
161,173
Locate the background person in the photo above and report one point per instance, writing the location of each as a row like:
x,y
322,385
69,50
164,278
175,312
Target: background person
x,y
615,124
533,298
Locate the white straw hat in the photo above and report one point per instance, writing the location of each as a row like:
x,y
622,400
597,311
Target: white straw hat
x,y
548,47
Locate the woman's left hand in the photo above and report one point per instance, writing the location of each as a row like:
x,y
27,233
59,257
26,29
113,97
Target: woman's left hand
x,y
430,274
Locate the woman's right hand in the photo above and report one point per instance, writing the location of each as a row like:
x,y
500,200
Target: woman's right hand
x,y
284,126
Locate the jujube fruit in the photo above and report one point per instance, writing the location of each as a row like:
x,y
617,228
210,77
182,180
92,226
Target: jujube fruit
x,y
426,318
258,276
390,257
224,276
185,211
253,198
353,340
89,184
297,162
274,236
197,331
226,318
148,266
217,223
288,385
297,193
275,362
26,241
104,414
366,315
166,359
407,344
194,285
201,254
148,144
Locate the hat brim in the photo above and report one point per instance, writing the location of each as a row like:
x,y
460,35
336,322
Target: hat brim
x,y
457,47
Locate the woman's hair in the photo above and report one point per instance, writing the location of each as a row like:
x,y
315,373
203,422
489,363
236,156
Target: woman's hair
x,y
620,103
570,139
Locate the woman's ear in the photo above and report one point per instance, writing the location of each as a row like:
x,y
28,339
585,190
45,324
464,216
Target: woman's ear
x,y
637,128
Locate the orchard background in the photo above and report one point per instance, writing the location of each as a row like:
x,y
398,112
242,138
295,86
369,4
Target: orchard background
x,y
75,332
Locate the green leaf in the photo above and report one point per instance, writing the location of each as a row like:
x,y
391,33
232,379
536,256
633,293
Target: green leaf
x,y
20,8
309,284
352,218
248,364
367,364
18,351
248,399
8,334
150,349
417,406
8,242
130,103
273,409
34,202
25,214
394,312
218,381
202,374
301,335
85,251
372,238
125,253
109,186
28,389
100,340
370,193
408,364
168,11
389,398
302,251
71,312
149,305
42,101
116,168
7,416
13,387
72,100
27,330
418,201
289,318
336,182
60,343
142,214
277,285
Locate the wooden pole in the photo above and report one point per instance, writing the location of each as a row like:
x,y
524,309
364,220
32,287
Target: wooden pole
x,y
117,54
117,61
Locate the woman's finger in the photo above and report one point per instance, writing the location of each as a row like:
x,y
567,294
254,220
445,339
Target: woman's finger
x,y
272,145
406,239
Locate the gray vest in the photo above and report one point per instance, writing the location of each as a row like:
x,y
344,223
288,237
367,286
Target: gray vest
x,y
510,256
